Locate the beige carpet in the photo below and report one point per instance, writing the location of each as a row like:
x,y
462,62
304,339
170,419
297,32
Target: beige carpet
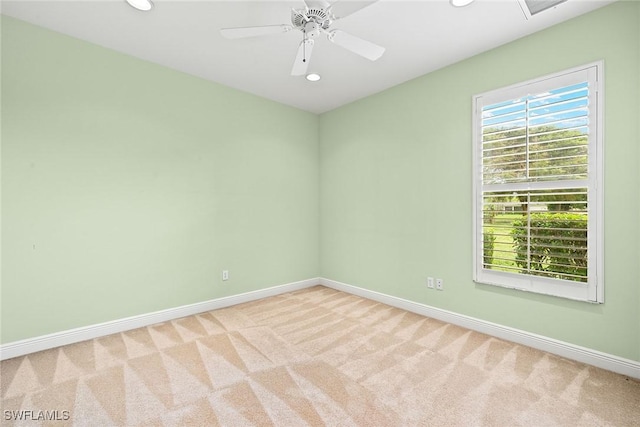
x,y
313,357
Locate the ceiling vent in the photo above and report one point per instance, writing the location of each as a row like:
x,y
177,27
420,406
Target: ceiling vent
x,y
533,7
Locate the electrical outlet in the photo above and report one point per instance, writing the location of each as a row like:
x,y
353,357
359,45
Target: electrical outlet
x,y
225,274
430,282
439,284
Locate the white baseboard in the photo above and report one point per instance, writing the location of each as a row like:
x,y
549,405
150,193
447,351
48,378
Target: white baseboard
x,y
602,360
610,362
44,342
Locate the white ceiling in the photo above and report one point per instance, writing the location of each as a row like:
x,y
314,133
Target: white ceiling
x,y
420,36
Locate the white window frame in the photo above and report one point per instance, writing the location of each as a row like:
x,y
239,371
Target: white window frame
x,y
593,289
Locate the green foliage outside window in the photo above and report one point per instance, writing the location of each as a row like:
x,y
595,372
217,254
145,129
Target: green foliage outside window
x,y
487,246
558,246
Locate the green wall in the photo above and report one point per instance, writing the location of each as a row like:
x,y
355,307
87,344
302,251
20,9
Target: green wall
x,y
128,187
396,196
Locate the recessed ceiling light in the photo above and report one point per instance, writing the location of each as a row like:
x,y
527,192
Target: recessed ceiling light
x,y
313,77
460,3
144,5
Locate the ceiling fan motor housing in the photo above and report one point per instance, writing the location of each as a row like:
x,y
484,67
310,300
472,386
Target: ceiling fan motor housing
x,y
311,21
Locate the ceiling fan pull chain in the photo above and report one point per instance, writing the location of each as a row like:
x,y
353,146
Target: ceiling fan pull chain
x,y
304,46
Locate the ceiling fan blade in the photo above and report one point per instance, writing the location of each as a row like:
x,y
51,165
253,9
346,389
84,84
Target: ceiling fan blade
x,y
357,45
341,9
242,32
317,4
301,63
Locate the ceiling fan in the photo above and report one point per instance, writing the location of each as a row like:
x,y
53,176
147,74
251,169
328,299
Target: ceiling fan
x,y
314,19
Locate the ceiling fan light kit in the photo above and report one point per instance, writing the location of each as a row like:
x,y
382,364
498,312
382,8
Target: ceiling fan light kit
x,y
316,18
143,5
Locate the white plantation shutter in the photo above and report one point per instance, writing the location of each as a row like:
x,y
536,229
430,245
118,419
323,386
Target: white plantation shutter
x,y
537,185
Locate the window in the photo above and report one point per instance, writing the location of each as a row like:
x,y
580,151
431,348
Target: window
x,y
538,185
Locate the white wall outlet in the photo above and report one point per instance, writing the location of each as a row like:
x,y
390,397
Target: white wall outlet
x,y
430,282
225,274
439,284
